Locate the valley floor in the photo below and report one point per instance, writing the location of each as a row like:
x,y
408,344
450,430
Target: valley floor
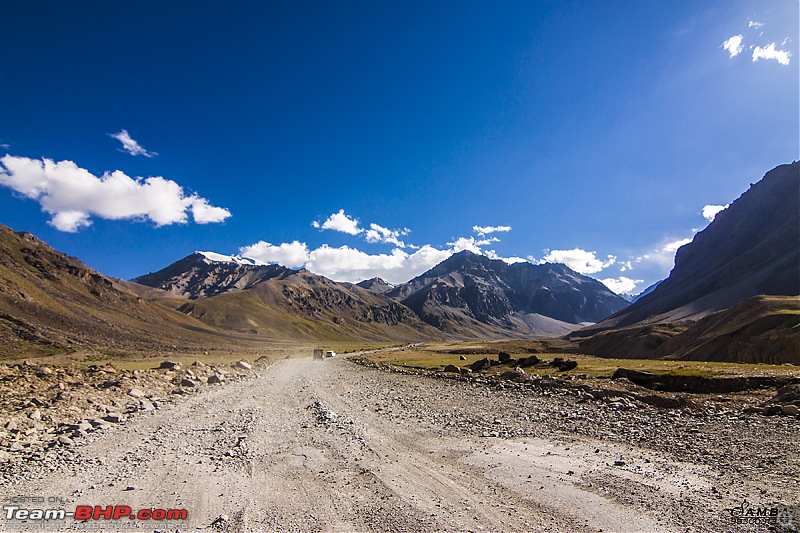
x,y
333,446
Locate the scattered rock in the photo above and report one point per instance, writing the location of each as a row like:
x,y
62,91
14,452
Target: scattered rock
x,y
452,368
214,378
792,410
220,520
788,395
480,364
187,383
529,361
504,357
244,365
114,418
170,365
136,393
66,441
462,357
665,402
569,364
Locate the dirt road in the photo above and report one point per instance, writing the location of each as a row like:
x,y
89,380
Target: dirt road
x,y
333,446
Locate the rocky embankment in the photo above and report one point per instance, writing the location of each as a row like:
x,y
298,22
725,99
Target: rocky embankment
x,y
44,406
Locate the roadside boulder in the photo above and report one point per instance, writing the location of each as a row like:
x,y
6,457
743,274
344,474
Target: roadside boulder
x,y
451,368
791,410
569,364
170,365
504,357
528,361
790,394
243,365
480,364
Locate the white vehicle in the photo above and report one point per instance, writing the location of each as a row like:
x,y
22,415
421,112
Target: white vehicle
x,y
330,353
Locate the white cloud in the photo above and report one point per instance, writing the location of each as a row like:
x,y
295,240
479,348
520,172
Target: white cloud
x,y
580,261
72,194
349,264
484,230
378,233
5,146
769,52
491,254
471,244
204,213
621,285
710,211
672,247
293,255
340,222
129,145
755,24
70,221
734,45
625,265
663,257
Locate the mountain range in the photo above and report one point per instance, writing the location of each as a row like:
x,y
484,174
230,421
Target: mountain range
x,y
734,294
465,296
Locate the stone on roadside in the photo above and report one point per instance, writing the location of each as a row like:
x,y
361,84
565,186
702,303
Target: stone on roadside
x,y
170,365
187,383
136,393
791,410
569,364
66,441
480,364
214,378
244,365
452,368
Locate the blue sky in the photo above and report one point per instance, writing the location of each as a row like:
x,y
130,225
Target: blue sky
x,y
375,138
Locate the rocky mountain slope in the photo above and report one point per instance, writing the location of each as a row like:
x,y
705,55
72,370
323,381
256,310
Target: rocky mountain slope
x,y
378,285
53,303
472,293
302,305
763,329
203,274
751,248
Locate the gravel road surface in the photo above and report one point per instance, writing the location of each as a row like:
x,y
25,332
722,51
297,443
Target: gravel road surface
x,y
330,445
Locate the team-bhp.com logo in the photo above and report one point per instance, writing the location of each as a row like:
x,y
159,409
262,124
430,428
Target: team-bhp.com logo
x,y
88,512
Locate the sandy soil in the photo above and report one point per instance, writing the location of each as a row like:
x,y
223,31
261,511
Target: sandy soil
x,y
333,446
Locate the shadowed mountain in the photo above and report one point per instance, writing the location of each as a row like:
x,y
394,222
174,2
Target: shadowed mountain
x,y
472,294
764,329
50,303
751,248
275,302
378,285
203,274
306,306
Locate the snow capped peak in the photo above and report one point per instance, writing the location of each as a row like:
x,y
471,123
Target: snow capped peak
x,y
239,260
